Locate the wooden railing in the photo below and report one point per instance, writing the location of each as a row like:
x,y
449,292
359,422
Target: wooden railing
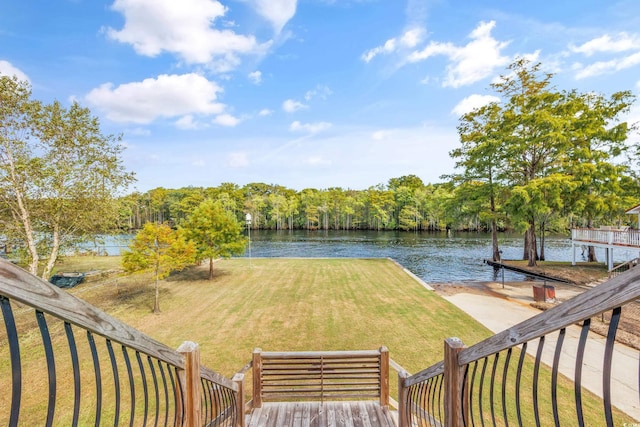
x,y
500,380
607,236
619,269
114,375
320,376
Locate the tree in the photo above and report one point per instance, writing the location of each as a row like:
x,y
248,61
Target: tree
x,y
160,250
598,141
480,158
215,232
59,175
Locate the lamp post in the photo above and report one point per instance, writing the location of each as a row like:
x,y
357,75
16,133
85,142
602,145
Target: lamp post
x,y
248,220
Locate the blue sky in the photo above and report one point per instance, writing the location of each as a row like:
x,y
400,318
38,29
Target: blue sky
x,y
303,93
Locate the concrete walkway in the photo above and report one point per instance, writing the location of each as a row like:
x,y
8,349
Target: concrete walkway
x,y
500,312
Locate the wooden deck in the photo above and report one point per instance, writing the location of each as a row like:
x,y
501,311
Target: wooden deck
x,y
316,414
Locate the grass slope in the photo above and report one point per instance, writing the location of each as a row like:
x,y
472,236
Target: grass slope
x,y
295,304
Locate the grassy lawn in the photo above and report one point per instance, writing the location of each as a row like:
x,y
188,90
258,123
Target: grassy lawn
x,y
277,305
288,305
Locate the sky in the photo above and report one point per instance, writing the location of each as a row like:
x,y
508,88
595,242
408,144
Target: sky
x,y
303,93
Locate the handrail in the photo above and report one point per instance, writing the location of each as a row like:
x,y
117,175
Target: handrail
x,y
623,267
608,236
489,361
613,293
144,369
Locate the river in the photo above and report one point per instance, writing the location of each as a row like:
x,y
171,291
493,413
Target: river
x,y
434,257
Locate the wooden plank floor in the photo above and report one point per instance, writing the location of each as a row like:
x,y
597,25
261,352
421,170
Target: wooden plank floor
x,y
316,414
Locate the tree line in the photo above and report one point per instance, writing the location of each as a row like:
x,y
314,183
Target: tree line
x,y
405,203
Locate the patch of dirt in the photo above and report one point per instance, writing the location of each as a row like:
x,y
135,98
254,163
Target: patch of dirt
x,y
582,273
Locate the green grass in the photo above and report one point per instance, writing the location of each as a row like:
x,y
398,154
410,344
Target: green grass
x,y
295,304
277,305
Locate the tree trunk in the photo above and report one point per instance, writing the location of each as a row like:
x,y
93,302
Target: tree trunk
x,y
156,306
494,230
210,268
494,241
591,252
532,253
53,256
542,227
22,212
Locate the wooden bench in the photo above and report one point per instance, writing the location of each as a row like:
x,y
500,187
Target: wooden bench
x,y
320,376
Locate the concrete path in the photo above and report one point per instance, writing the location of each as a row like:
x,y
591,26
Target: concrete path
x,y
499,313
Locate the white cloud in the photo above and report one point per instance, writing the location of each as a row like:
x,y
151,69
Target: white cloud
x,y
320,91
606,44
226,120
277,12
199,163
472,102
164,96
379,135
291,106
605,67
8,69
255,77
309,127
182,28
469,63
412,37
238,159
186,122
409,39
265,112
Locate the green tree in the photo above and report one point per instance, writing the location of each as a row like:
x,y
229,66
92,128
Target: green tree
x,y
160,250
533,124
59,176
215,232
480,157
598,142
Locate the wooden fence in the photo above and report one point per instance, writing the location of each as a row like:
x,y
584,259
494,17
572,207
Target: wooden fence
x,y
499,380
114,375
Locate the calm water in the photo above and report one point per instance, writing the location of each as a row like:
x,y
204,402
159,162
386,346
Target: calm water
x,y
434,257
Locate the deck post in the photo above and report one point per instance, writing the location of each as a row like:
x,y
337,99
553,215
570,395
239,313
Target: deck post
x,y
239,380
384,377
456,412
257,378
190,384
403,400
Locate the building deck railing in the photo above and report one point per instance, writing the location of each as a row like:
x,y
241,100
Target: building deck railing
x,y
499,381
623,237
95,369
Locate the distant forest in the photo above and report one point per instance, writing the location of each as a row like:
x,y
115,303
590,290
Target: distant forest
x,y
404,203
